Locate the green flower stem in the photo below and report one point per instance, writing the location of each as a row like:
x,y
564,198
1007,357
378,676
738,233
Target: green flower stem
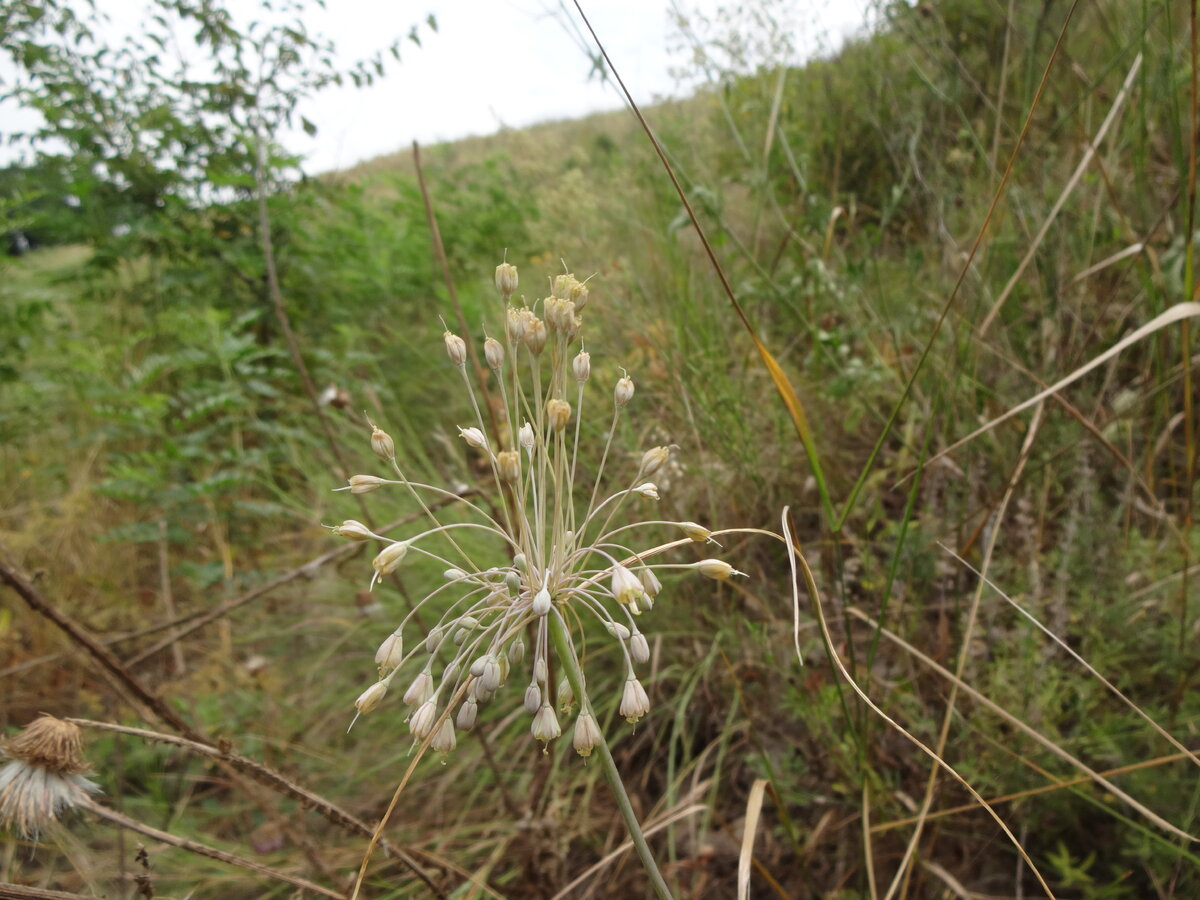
x,y
566,655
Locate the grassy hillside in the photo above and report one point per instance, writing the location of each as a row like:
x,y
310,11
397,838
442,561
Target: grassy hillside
x,y
924,230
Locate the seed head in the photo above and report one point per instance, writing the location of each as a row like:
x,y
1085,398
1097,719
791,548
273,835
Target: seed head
x,y
558,414
506,279
579,295
508,464
562,286
353,530
516,322
560,314
493,352
623,392
535,335
581,365
649,489
587,734
44,777
653,459
364,484
382,444
456,348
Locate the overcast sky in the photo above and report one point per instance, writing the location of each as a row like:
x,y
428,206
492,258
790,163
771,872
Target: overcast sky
x,y
494,63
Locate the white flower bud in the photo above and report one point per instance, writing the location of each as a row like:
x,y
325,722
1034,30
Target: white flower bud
x,y
479,692
508,465
623,392
421,722
533,698
371,697
626,588
519,562
454,575
456,348
467,713
653,459
433,639
353,530
541,603
717,569
525,437
650,583
443,739
582,366
506,279
587,734
493,352
474,437
388,560
516,652
634,702
540,670
649,489
382,444
491,675
477,667
639,648
420,690
364,484
389,654
558,414
545,725
617,630
696,532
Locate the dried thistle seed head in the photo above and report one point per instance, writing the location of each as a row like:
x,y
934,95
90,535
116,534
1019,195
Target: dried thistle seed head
x,y
390,653
456,348
467,714
626,588
535,335
545,725
353,530
388,560
50,744
382,444
558,414
717,569
581,365
371,697
587,734
506,279
653,459
422,721
420,690
623,392
364,484
639,648
508,464
474,437
493,352
634,702
533,698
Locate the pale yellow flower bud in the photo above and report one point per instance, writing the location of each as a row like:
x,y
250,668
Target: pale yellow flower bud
x,y
493,351
389,654
506,279
456,348
558,414
649,489
353,530
474,437
696,532
388,560
371,697
364,484
717,569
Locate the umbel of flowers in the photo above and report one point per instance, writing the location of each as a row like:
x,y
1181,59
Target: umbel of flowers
x,y
563,548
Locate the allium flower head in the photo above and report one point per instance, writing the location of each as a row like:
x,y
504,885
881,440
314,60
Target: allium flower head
x,y
44,776
563,547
